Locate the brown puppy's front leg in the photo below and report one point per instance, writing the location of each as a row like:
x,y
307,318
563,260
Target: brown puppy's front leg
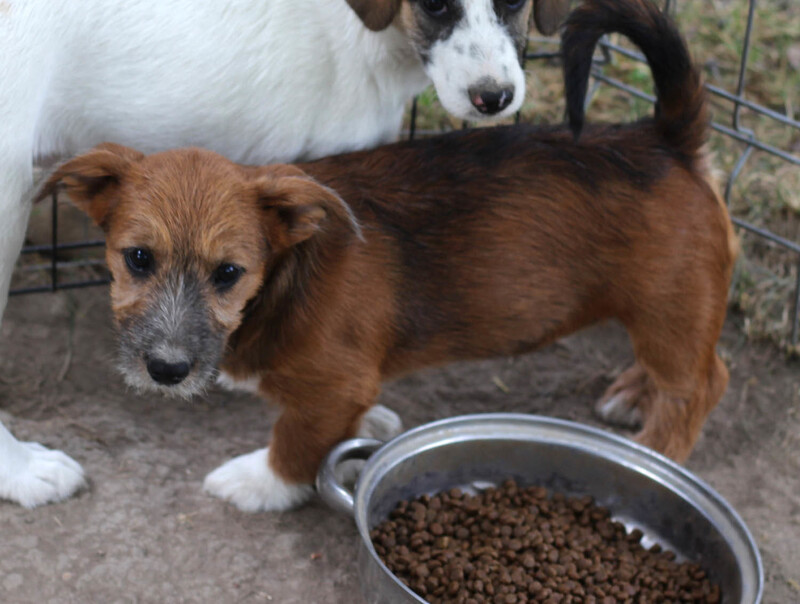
x,y
279,477
302,437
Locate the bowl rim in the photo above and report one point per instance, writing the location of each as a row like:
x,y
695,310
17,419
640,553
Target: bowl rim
x,y
578,436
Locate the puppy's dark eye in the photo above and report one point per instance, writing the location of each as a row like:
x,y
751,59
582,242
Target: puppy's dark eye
x,y
139,260
226,275
513,4
435,8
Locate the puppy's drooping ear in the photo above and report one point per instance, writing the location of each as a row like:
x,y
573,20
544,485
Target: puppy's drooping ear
x,y
91,180
550,14
377,15
297,208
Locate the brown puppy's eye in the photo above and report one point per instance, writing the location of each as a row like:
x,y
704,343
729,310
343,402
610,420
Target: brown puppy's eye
x,y
513,4
435,8
139,260
226,275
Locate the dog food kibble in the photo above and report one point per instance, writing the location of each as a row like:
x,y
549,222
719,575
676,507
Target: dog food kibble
x,y
511,545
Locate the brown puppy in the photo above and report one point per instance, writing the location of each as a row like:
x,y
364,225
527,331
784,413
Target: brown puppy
x,y
314,283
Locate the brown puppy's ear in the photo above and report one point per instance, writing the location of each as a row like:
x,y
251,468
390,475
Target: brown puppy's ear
x,y
91,180
549,15
297,208
377,15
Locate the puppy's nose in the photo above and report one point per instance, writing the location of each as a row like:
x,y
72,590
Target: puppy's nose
x,y
165,373
491,100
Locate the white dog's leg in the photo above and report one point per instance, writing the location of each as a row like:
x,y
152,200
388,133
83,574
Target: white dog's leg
x,y
16,179
30,474
250,484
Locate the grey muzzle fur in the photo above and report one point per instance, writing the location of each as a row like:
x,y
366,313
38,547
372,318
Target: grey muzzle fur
x,y
175,328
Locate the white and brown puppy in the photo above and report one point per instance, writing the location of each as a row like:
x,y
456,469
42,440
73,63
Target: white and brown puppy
x,y
255,80
474,244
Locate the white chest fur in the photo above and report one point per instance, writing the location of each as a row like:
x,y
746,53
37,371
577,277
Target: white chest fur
x,y
228,382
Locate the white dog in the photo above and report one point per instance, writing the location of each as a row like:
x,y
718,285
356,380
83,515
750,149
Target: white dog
x,y
257,80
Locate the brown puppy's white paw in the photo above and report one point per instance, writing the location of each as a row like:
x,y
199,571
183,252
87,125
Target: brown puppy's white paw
x,y
625,401
620,409
381,423
250,484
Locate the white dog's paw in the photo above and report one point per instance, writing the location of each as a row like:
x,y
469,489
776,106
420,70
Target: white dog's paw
x,y
380,422
620,409
250,484
34,475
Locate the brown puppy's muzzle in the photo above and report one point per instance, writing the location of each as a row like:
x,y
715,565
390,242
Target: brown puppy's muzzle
x,y
173,345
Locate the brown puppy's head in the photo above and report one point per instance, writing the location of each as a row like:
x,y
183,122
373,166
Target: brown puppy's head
x,y
470,49
191,237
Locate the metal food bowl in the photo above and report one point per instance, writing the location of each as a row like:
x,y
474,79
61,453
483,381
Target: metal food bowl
x,y
641,488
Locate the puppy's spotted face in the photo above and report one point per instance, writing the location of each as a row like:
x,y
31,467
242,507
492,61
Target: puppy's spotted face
x,y
471,50
190,239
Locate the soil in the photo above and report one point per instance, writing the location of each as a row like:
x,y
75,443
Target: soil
x,y
145,532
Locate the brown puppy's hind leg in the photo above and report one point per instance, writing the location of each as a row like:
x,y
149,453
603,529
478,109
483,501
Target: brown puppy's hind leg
x,y
673,420
671,414
678,377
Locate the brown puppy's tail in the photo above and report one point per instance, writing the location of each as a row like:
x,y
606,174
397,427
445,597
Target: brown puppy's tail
x,y
681,115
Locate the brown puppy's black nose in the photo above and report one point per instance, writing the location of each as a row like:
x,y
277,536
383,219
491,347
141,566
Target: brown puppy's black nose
x,y
167,374
491,100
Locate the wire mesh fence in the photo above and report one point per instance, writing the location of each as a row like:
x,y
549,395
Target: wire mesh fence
x,y
61,269
736,130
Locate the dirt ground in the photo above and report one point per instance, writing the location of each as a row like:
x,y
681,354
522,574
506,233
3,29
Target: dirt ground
x,y
145,532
